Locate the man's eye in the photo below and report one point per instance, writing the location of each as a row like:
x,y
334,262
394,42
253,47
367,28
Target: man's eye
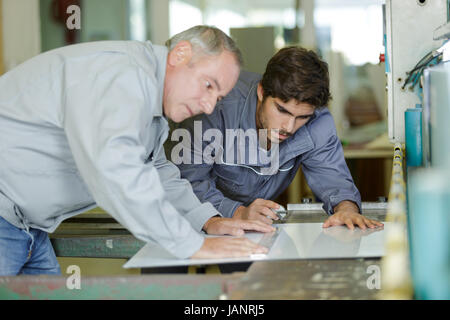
x,y
208,85
281,109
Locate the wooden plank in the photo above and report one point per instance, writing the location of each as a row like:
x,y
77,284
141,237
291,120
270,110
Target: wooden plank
x,y
93,222
94,234
364,153
97,246
90,225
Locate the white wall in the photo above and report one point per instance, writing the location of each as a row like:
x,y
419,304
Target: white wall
x,y
21,31
158,21
101,21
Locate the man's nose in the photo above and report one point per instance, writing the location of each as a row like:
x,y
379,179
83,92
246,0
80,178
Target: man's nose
x,y
208,103
289,124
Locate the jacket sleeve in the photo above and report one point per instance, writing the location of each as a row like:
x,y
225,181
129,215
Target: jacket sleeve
x,y
205,188
196,169
105,120
325,168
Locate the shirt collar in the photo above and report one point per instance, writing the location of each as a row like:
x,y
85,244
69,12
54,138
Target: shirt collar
x,y
160,54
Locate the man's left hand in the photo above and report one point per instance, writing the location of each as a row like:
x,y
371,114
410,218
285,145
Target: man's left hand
x,y
234,227
346,213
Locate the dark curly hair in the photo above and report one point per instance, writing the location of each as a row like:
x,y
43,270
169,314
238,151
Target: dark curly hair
x,y
297,73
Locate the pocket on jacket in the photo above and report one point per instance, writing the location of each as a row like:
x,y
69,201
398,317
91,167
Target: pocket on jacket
x,y
232,181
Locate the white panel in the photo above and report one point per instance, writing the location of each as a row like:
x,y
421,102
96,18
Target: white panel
x,y
21,31
409,31
158,21
295,241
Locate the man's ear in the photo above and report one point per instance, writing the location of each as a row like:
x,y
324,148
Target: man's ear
x,y
260,92
180,54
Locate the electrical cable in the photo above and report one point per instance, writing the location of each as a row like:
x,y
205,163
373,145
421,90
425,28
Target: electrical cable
x,y
417,71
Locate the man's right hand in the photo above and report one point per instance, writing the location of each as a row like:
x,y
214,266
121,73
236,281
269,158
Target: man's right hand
x,y
234,226
222,247
259,209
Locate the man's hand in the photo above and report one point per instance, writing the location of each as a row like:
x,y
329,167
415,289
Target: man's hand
x,y
259,209
214,248
345,236
234,227
346,213
230,247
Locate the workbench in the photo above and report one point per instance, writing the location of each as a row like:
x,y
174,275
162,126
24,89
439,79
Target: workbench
x,y
102,236
309,279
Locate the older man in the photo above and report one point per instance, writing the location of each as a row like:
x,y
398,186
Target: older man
x,y
84,125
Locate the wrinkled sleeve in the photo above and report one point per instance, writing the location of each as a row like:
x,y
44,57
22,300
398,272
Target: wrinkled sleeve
x,y
105,117
196,169
205,188
180,194
327,173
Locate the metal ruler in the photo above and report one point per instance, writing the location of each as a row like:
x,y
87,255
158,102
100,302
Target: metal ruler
x,y
268,239
318,206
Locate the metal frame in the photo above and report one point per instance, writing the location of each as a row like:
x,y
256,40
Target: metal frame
x,y
409,30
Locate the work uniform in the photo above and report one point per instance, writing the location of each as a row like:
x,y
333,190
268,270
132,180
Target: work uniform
x,y
229,184
82,126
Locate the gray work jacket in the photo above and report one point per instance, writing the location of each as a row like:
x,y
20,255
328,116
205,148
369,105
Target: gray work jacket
x,y
82,126
227,185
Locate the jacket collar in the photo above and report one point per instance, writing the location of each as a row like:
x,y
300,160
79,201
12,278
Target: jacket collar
x,y
248,116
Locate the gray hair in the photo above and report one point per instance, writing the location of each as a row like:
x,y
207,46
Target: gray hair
x,y
207,40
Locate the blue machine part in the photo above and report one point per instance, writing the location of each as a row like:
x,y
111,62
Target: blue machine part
x,y
413,136
429,236
386,56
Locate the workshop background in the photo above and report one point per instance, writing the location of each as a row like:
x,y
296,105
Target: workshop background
x,y
260,28
390,82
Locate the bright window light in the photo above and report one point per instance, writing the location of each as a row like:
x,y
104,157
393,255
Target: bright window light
x,y
264,17
225,19
137,20
183,16
357,32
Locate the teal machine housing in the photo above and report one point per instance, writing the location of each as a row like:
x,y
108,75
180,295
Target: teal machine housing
x,y
413,136
427,134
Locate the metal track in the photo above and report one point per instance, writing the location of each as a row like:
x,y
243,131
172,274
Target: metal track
x,y
318,206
